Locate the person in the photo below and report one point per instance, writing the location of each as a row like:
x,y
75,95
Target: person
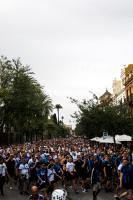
x,y
42,175
23,176
108,173
71,172
33,170
84,172
10,163
35,194
59,194
78,167
95,180
59,172
51,174
3,173
126,180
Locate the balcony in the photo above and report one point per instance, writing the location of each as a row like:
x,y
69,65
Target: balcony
x,y
127,79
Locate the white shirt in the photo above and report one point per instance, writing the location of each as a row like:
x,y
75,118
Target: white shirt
x,y
24,169
50,174
30,161
55,156
120,167
74,155
70,166
3,169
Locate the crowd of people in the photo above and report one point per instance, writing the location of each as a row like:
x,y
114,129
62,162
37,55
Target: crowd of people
x,y
72,163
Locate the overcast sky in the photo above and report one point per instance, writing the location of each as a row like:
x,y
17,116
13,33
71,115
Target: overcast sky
x,y
73,46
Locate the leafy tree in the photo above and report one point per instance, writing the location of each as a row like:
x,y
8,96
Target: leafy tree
x,y
57,129
23,104
6,79
54,118
51,129
62,131
94,117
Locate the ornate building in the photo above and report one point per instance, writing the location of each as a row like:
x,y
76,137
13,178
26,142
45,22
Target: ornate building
x,y
128,83
118,92
106,97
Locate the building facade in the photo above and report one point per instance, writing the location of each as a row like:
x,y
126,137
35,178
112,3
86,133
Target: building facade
x,y
106,97
118,92
117,86
128,83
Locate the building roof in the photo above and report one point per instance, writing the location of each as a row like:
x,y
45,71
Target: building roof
x,y
106,93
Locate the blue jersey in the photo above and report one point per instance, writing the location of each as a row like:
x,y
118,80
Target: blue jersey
x,y
40,197
57,168
42,173
90,164
95,176
126,171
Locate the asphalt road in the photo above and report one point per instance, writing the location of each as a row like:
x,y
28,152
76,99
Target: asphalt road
x,y
14,195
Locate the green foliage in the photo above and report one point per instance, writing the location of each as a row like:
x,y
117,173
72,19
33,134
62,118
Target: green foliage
x,y
94,117
54,118
24,106
56,129
62,131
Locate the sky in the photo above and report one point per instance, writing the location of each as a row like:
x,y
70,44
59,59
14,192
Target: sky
x,y
72,46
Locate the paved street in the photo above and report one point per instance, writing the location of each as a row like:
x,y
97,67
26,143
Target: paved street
x,y
14,195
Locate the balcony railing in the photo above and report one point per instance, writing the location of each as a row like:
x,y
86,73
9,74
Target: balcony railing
x,y
127,80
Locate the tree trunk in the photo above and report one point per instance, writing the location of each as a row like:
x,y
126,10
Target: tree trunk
x,y
114,142
58,115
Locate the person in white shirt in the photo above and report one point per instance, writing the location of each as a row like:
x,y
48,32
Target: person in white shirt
x,y
51,177
3,172
70,166
23,177
120,167
70,173
74,155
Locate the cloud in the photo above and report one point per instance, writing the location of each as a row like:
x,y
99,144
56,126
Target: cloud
x,y
73,46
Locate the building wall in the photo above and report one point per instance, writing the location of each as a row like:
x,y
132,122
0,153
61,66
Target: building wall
x,y
120,97
128,82
119,94
117,86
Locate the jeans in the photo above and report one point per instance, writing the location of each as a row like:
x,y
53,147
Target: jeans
x,y
2,181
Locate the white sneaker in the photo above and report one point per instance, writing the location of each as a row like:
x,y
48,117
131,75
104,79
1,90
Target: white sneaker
x,y
116,197
84,190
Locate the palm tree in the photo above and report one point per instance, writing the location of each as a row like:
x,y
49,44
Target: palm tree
x,y
58,107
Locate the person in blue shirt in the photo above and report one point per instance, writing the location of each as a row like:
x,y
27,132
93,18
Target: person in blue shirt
x,y
108,173
57,167
95,179
44,158
90,163
59,171
126,180
42,175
